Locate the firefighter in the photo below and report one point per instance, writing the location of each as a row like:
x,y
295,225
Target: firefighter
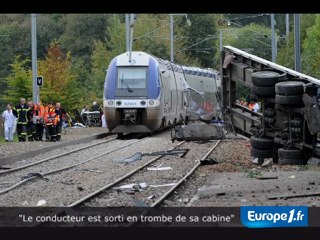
x,y
39,121
62,115
31,128
21,113
51,119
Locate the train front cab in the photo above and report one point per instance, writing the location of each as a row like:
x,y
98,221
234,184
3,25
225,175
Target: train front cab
x,y
132,96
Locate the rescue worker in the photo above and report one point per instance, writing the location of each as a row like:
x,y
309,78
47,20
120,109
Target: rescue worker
x,y
51,119
62,115
21,113
95,107
9,121
39,120
31,128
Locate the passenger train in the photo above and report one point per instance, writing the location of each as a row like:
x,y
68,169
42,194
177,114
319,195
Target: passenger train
x,y
148,93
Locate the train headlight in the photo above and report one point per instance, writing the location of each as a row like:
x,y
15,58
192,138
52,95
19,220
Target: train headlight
x,y
151,102
110,103
143,102
118,103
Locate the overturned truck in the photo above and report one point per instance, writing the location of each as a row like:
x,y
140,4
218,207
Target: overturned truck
x,y
289,123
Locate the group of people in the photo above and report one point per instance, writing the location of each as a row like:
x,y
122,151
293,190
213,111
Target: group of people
x,y
30,120
252,105
93,116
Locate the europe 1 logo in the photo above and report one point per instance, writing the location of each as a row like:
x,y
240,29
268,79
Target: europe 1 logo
x,y
267,217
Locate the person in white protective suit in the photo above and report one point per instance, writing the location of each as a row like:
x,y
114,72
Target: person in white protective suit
x,y
9,123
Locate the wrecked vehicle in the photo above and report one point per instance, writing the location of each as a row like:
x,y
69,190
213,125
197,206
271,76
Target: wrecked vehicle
x,y
288,125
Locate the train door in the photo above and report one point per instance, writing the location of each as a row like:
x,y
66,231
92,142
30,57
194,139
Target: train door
x,y
173,97
167,95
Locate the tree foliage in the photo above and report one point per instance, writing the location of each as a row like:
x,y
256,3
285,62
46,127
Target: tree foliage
x,y
285,55
19,81
59,83
311,54
199,42
80,32
99,60
254,39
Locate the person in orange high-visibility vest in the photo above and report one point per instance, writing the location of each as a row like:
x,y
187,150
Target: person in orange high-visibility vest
x,y
51,119
38,118
251,105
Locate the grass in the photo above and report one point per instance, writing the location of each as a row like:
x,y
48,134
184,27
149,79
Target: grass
x,y
15,139
254,173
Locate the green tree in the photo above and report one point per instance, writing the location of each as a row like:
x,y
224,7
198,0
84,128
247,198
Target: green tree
x,y
254,39
99,62
311,54
286,48
151,34
80,32
116,40
198,44
19,81
50,27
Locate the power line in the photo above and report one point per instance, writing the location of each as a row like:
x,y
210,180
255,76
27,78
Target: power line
x,y
239,25
155,30
248,17
194,44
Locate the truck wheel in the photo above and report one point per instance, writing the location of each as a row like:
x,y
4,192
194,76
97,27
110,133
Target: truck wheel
x,y
289,88
289,100
263,91
285,161
261,143
261,153
289,153
265,78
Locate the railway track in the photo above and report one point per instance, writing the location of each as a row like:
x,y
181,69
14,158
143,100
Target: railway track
x,y
54,157
106,192
62,175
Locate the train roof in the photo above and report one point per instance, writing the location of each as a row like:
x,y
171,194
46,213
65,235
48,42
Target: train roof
x,y
207,72
142,59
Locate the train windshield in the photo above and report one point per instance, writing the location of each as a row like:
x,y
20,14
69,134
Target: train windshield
x,y
132,78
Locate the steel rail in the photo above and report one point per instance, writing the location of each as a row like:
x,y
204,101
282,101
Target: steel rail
x,y
164,196
64,168
53,157
108,186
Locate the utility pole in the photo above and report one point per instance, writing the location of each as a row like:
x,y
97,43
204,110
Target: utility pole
x,y
171,38
35,89
127,31
287,25
273,39
297,56
220,39
131,36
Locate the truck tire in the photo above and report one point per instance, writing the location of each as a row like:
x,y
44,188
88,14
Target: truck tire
x,y
286,161
289,88
261,143
261,153
289,153
263,91
265,78
289,100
